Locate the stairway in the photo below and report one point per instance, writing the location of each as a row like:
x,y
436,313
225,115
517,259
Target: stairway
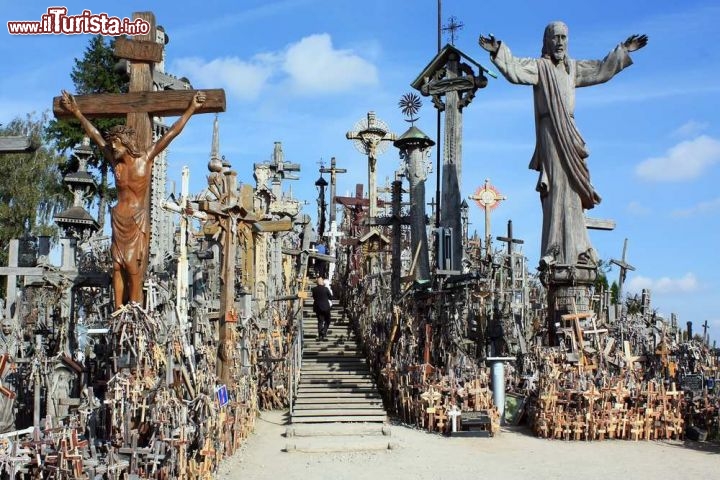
x,y
337,407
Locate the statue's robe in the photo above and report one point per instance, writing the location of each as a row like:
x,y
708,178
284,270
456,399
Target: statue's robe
x,y
560,151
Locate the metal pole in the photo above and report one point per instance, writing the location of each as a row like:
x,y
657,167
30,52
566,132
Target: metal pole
x,y
498,383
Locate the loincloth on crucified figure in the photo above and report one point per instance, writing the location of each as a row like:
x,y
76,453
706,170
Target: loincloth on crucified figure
x,y
130,239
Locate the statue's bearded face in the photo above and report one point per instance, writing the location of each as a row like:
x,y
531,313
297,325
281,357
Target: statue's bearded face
x,y
557,41
118,148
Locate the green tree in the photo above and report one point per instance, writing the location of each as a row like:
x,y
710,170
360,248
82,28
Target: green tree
x,y
614,291
601,282
31,187
95,72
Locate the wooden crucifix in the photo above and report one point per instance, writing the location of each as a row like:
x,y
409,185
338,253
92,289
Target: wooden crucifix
x,y
624,267
232,217
371,139
510,240
131,151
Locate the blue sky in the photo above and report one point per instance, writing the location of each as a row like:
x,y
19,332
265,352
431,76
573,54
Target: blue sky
x,y
303,72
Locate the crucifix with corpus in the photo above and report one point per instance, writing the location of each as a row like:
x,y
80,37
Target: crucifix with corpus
x,y
131,151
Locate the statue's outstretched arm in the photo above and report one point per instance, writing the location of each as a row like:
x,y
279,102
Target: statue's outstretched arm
x,y
68,102
178,126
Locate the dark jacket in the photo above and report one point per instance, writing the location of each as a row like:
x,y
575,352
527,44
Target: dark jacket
x,y
321,298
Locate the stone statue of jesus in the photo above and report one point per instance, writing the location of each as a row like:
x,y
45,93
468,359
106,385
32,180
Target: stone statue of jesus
x,y
560,151
131,214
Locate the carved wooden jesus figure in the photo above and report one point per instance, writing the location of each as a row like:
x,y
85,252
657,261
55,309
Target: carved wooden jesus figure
x,y
130,216
560,151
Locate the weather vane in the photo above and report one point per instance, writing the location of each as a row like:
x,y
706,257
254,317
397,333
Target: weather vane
x,y
453,27
410,105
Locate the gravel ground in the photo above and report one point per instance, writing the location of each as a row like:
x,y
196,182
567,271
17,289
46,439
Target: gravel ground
x,y
512,454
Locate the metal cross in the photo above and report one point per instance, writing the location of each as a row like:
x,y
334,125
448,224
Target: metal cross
x,y
453,26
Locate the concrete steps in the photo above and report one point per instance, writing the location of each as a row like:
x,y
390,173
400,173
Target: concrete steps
x,y
337,407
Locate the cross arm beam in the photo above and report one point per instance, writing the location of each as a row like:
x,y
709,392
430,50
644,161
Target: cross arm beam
x,y
167,103
16,144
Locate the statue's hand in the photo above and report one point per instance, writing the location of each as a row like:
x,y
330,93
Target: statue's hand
x,y
635,42
68,102
489,43
198,99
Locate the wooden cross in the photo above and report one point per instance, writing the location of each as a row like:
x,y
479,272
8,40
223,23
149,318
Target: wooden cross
x,y
431,397
510,240
16,144
333,171
435,210
624,267
12,271
441,419
140,104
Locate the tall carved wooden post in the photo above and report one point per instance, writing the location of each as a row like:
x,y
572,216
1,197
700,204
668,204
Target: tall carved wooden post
x,y
414,148
449,77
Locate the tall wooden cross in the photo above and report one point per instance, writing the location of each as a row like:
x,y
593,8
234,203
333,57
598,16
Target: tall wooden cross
x,y
510,240
706,337
141,103
624,267
333,171
334,233
233,217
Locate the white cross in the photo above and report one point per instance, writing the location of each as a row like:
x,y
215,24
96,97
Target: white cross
x,y
453,413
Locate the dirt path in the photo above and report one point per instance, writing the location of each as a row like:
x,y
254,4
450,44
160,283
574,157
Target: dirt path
x,y
510,455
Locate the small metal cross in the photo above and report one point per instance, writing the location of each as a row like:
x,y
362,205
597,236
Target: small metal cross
x,y
453,26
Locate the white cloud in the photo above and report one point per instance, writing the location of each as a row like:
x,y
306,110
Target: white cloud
x,y
311,65
314,65
240,78
685,161
702,207
636,208
690,129
684,284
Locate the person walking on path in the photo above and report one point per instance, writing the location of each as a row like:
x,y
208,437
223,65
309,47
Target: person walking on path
x,y
321,306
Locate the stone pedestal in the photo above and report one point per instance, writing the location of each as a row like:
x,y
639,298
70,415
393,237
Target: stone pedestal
x,y
569,290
